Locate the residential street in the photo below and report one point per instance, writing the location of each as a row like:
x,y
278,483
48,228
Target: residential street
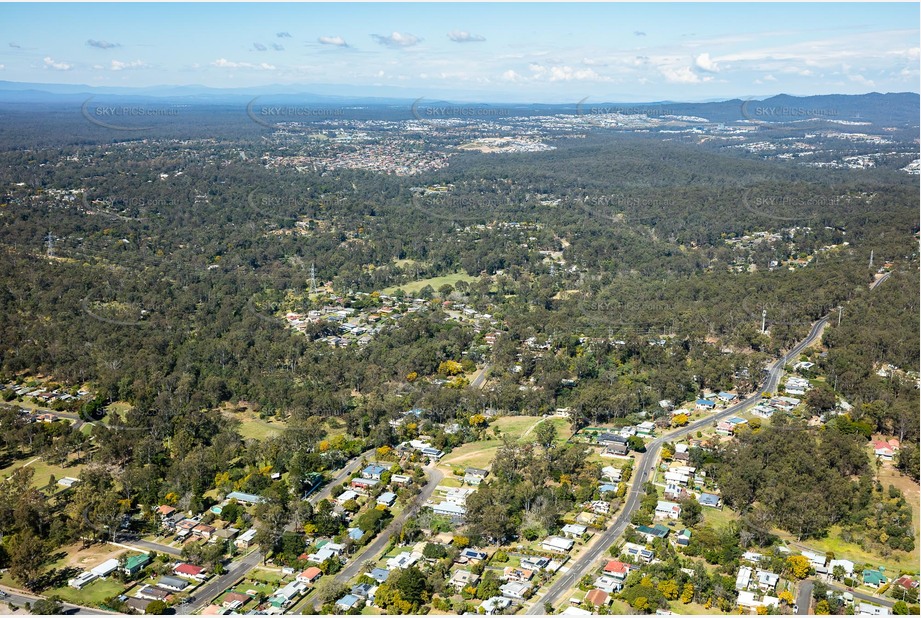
x,y
376,546
804,597
20,599
589,558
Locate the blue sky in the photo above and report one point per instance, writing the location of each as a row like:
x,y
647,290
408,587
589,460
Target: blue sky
x,y
491,52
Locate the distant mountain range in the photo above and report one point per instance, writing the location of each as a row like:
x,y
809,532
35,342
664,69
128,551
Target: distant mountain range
x,y
901,108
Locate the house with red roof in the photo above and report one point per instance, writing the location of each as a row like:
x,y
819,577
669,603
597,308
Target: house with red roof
x,y
617,569
309,575
598,598
189,570
883,450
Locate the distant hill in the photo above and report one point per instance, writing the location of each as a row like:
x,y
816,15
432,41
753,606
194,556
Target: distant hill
x,y
902,108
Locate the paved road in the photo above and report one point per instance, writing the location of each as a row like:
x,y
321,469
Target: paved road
x,y
880,280
343,474
804,597
641,473
20,599
238,570
132,540
863,596
219,584
376,546
480,380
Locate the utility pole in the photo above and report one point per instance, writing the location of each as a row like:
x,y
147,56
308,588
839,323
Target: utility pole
x,y
763,320
49,245
840,310
871,258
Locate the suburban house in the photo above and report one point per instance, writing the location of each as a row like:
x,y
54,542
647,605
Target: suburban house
x,y
668,510
189,570
610,439
475,555
364,484
495,605
637,552
847,565
727,397
684,538
379,575
154,593
475,476
400,479
203,531
573,531
347,495
866,609
725,428
748,600
387,498
619,449
598,598
455,512
404,560
704,404
608,488
309,575
645,428
535,563
743,578
767,581
557,544
246,539
176,584
617,569
515,590
654,532
608,583
515,574
462,579
373,471
134,564
873,577
283,597
883,450
612,474
711,500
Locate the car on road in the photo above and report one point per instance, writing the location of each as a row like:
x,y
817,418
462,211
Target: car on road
x,y
3,594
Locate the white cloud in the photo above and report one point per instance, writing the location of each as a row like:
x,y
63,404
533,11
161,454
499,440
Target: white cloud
x,y
336,41
397,39
681,75
460,36
118,65
57,66
705,63
223,63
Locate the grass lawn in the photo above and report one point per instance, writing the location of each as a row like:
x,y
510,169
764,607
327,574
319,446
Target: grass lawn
x,y
43,471
481,453
692,609
254,428
268,577
897,561
92,594
719,518
436,282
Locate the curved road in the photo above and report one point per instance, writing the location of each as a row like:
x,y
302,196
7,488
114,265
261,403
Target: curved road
x,y
607,538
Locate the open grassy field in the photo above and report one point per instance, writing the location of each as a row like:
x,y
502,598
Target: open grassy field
x,y
896,561
719,518
436,282
43,471
481,453
92,594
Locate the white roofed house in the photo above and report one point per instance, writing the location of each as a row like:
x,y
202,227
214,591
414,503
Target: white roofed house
x,y
668,510
574,531
557,544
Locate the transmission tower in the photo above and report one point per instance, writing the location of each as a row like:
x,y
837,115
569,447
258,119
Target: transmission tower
x,y
871,258
313,279
49,245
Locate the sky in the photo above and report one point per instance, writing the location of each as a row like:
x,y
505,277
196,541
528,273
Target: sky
x,y
522,52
